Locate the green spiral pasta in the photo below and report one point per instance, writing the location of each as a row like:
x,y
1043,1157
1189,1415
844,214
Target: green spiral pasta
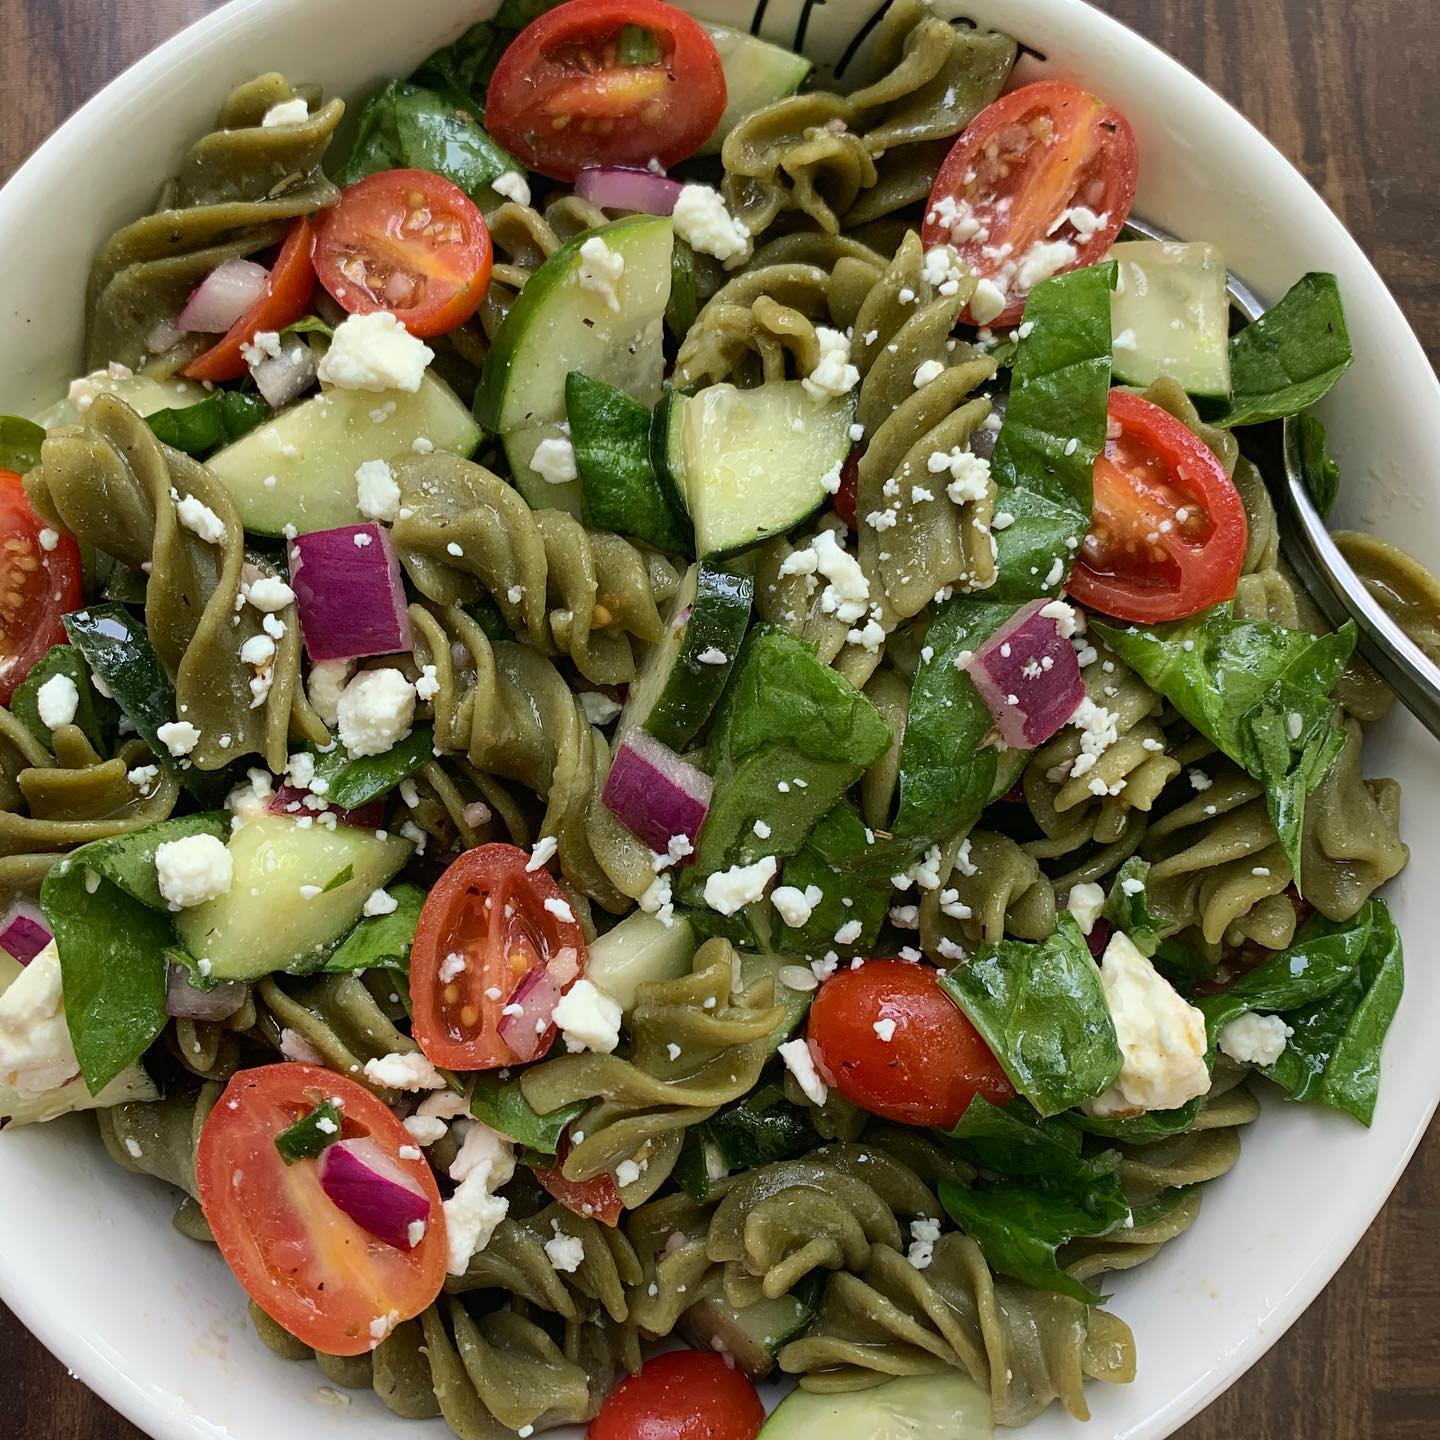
x,y
115,486
989,888
852,159
233,192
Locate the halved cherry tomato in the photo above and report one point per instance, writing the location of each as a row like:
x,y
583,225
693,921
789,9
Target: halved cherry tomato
x,y
934,1062
490,911
286,299
37,585
682,1395
1168,532
1016,178
562,98
597,1198
845,496
301,1258
410,242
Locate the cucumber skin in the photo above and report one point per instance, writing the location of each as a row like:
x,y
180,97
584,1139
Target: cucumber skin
x,y
718,619
665,422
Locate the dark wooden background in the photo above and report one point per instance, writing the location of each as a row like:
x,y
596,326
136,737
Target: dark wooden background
x,y
1347,89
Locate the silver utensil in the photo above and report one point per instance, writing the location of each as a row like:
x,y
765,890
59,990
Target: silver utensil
x,y
1323,570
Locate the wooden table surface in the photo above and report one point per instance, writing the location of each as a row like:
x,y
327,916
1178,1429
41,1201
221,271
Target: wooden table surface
x,y
1346,89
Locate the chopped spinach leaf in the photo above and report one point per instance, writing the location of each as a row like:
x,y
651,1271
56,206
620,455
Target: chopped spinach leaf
x,y
837,858
502,1105
222,416
20,442
311,1134
1127,907
1321,474
352,782
382,940
94,714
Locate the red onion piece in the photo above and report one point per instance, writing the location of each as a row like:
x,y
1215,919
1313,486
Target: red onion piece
x,y
223,296
526,1024
280,379
24,932
290,800
654,793
622,187
1099,936
162,338
1028,676
376,1192
184,1001
350,593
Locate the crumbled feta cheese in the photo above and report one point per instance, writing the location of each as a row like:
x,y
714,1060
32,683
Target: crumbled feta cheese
x,y
57,701
657,900
404,1071
375,352
988,302
1085,904
847,596
801,1064
48,538
885,1029
795,906
924,1234
702,222
969,473
380,902
1252,1039
427,687
588,1018
849,932
199,519
286,112
927,371
599,709
142,777
376,491
1042,260
565,1252
179,737
554,460
730,890
713,655
192,870
1161,1036
833,374
269,593
512,185
375,710
36,1053
560,909
541,853
258,650
1199,780
294,1046
600,271
486,1162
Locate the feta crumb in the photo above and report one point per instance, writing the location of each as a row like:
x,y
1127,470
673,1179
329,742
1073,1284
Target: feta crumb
x,y
599,709
924,1234
404,1071
192,870
512,185
554,460
1252,1039
269,593
179,737
588,1018
376,491
57,701
427,687
702,221
566,1253
849,932
199,519
286,112
927,371
375,710
1085,904
560,909
795,906
375,352
379,902
730,890
801,1064
541,853
833,374
600,271
885,1029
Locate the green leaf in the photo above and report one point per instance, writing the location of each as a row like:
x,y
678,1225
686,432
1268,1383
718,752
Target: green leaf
x,y
381,940
486,614
1054,428
20,442
1338,986
308,325
119,653
112,930
838,859
760,1129
1146,1129
95,715
1289,358
1015,1141
1260,692
222,416
945,774
1320,473
501,1105
1127,907
409,127
618,489
351,782
1020,1227
1042,1011
311,1134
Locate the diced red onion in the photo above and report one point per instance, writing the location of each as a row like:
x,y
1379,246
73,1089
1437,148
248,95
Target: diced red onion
x,y
184,1001
527,1023
351,597
280,379
1099,936
289,800
223,296
24,932
622,187
376,1192
162,338
655,794
1028,676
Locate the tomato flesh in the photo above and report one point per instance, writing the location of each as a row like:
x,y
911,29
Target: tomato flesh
x,y
846,495
484,927
286,299
37,585
682,1395
597,1198
302,1259
931,1066
1045,166
565,95
1168,530
410,242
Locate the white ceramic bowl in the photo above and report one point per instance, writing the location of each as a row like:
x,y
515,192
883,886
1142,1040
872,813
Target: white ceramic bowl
x,y
153,1322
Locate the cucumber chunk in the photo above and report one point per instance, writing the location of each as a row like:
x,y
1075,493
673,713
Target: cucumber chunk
x,y
312,451
142,393
915,1407
752,1337
557,325
1170,315
752,463
683,674
756,72
636,951
263,922
540,493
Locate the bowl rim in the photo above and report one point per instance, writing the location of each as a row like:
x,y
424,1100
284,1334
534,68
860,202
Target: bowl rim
x,y
104,1373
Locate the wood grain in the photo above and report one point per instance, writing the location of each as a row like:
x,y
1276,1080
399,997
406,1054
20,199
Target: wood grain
x,y
1346,89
